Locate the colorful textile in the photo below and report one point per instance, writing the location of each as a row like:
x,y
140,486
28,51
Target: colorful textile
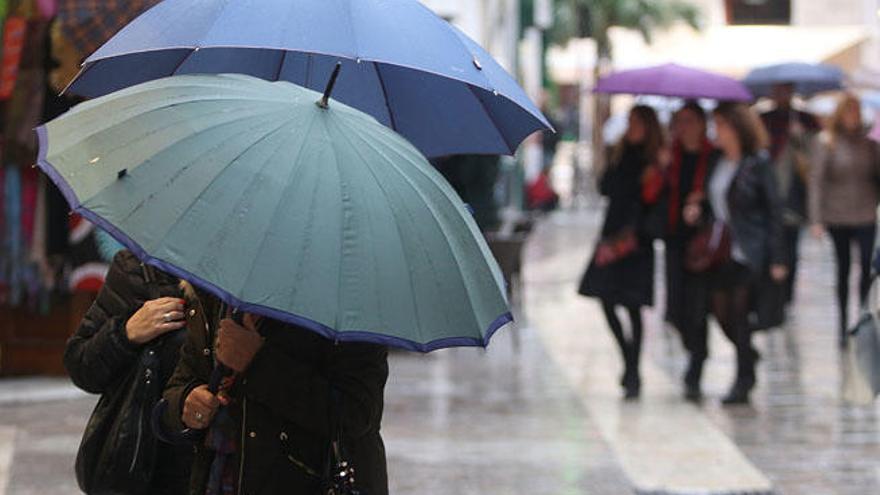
x,y
14,31
223,440
47,8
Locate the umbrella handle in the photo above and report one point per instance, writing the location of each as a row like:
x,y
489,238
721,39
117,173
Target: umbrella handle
x,y
189,435
325,100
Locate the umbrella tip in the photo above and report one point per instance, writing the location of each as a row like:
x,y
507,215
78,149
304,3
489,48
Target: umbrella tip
x,y
325,100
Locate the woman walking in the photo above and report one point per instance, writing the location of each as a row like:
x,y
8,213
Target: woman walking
x,y
844,195
742,198
301,405
621,273
137,306
686,291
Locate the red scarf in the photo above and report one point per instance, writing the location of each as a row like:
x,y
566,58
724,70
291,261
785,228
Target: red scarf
x,y
675,179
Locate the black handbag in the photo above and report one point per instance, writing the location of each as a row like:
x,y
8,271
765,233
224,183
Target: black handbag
x,y
118,451
117,454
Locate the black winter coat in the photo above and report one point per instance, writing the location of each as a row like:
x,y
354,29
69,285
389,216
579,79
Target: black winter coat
x,y
284,405
628,281
99,354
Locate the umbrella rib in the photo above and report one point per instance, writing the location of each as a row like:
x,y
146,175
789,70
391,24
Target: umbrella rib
x,y
281,65
459,266
214,180
385,95
109,127
492,120
412,290
342,211
141,204
183,61
287,186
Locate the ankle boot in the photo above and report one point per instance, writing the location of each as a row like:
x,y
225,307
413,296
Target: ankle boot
x,y
692,379
739,392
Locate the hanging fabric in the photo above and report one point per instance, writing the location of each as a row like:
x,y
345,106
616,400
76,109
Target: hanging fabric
x,y
14,34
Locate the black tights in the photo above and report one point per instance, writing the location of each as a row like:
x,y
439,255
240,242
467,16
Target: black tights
x,y
730,305
843,238
630,348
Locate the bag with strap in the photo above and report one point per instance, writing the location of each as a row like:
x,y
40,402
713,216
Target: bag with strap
x,y
709,248
118,451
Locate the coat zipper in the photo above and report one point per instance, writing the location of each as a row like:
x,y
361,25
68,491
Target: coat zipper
x,y
137,446
243,449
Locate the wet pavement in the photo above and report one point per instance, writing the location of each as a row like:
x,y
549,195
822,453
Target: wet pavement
x,y
540,411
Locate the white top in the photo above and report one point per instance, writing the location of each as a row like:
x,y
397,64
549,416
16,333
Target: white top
x,y
719,188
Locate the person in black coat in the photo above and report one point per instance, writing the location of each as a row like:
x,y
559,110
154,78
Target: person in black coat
x,y
296,393
741,192
621,273
687,292
137,305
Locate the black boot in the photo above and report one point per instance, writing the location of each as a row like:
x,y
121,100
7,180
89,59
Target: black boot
x,y
632,384
738,394
692,379
745,381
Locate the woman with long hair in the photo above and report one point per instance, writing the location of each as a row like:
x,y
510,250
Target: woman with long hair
x,y
621,273
741,196
844,195
692,155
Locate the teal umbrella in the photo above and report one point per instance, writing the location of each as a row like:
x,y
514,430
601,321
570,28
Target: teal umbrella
x,y
318,216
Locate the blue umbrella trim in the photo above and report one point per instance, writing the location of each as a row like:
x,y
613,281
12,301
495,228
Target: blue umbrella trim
x,y
283,316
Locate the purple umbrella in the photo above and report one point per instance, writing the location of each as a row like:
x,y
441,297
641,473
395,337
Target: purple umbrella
x,y
676,81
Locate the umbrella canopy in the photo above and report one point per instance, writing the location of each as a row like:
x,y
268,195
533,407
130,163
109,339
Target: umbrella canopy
x,y
675,81
318,217
88,24
402,64
808,79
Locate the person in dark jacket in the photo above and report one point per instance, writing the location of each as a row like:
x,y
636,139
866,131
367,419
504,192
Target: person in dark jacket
x,y
790,131
844,194
621,273
742,193
687,296
293,386
137,305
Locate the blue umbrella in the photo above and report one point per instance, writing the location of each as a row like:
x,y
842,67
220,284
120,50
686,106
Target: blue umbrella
x,y
808,79
401,63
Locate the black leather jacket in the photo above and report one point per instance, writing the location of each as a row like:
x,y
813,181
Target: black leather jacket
x,y
756,213
99,352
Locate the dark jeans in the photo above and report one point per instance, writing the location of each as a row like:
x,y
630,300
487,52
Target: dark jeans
x,y
843,238
730,305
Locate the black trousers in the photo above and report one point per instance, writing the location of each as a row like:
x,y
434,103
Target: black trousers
x,y
792,235
687,306
843,238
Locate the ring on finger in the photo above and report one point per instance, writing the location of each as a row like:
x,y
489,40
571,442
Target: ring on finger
x,y
199,416
166,318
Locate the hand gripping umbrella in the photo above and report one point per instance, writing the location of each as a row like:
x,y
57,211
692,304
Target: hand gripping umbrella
x,y
402,64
